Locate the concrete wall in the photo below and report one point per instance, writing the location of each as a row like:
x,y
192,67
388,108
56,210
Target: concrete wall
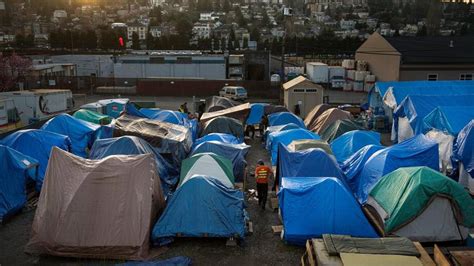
x,y
100,65
445,72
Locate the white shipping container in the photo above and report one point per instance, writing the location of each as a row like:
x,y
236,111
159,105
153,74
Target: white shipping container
x,y
369,82
358,86
348,64
348,86
33,105
360,75
317,72
350,75
6,105
337,71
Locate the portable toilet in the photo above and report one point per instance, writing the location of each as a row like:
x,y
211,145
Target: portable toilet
x,y
301,91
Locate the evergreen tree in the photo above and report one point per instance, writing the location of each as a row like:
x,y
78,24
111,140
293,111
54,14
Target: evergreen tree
x,y
245,43
433,18
135,41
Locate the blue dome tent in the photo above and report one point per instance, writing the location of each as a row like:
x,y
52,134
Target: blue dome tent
x,y
283,118
257,111
350,142
286,137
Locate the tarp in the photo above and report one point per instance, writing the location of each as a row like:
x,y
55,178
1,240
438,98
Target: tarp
x,y
463,150
234,152
131,145
304,144
311,162
37,144
217,103
417,107
450,119
225,125
92,117
174,261
256,113
97,209
172,141
271,109
328,117
406,192
16,169
311,207
239,112
283,118
353,166
81,133
202,206
339,127
95,107
314,114
286,137
209,164
351,142
270,130
221,137
417,151
113,107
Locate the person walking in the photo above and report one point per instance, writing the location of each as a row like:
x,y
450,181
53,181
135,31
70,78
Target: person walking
x,y
262,175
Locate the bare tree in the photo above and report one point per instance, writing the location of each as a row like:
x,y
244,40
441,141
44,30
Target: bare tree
x,y
13,69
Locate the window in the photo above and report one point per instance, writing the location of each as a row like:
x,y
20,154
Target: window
x,y
298,90
432,77
465,76
311,90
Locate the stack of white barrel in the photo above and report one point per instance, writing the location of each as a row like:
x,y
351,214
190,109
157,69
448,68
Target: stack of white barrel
x,y
360,75
349,65
369,82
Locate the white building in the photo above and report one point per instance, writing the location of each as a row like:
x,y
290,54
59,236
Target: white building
x,y
141,30
59,14
155,31
202,31
347,24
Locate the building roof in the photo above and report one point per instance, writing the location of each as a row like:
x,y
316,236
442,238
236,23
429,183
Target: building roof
x,y
290,84
435,49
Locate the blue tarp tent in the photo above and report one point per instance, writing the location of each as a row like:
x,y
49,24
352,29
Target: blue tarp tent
x,y
81,133
270,130
449,119
463,150
311,207
37,144
350,142
131,145
113,107
202,206
283,118
416,151
417,107
175,261
354,164
234,152
310,162
221,137
286,137
16,169
257,111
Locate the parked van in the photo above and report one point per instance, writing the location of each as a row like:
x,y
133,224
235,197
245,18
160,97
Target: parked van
x,y
234,93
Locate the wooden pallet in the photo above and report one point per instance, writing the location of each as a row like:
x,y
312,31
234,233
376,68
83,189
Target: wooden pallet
x,y
424,256
277,229
309,258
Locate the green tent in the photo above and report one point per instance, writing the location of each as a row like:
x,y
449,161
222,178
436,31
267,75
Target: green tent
x,y
93,117
304,144
409,201
338,128
209,164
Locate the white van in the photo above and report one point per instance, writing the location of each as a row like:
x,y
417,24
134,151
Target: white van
x,y
234,93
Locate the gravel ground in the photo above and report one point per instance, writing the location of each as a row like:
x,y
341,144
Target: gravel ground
x,y
260,248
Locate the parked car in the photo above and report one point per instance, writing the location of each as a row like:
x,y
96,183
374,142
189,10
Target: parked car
x,y
234,93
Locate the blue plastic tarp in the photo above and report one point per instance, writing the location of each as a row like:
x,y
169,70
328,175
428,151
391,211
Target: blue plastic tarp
x,y
268,139
450,119
175,261
350,142
202,205
463,150
417,107
283,118
131,145
113,107
233,152
221,137
310,162
313,206
416,151
16,169
257,111
37,144
81,133
286,137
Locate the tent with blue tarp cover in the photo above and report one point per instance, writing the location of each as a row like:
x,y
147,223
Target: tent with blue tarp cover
x,y
16,169
310,162
313,206
37,144
234,152
354,164
175,261
269,130
283,118
202,206
463,154
416,107
113,107
450,119
416,151
81,133
221,137
131,145
286,137
349,143
257,111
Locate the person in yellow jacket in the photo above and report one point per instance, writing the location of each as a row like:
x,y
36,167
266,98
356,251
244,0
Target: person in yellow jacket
x,y
263,174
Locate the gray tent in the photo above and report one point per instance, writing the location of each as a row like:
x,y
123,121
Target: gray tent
x,y
223,124
217,103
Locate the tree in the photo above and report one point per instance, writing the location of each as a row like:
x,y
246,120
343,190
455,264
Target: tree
x,y
226,6
422,31
245,43
433,18
13,69
135,41
156,16
255,34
